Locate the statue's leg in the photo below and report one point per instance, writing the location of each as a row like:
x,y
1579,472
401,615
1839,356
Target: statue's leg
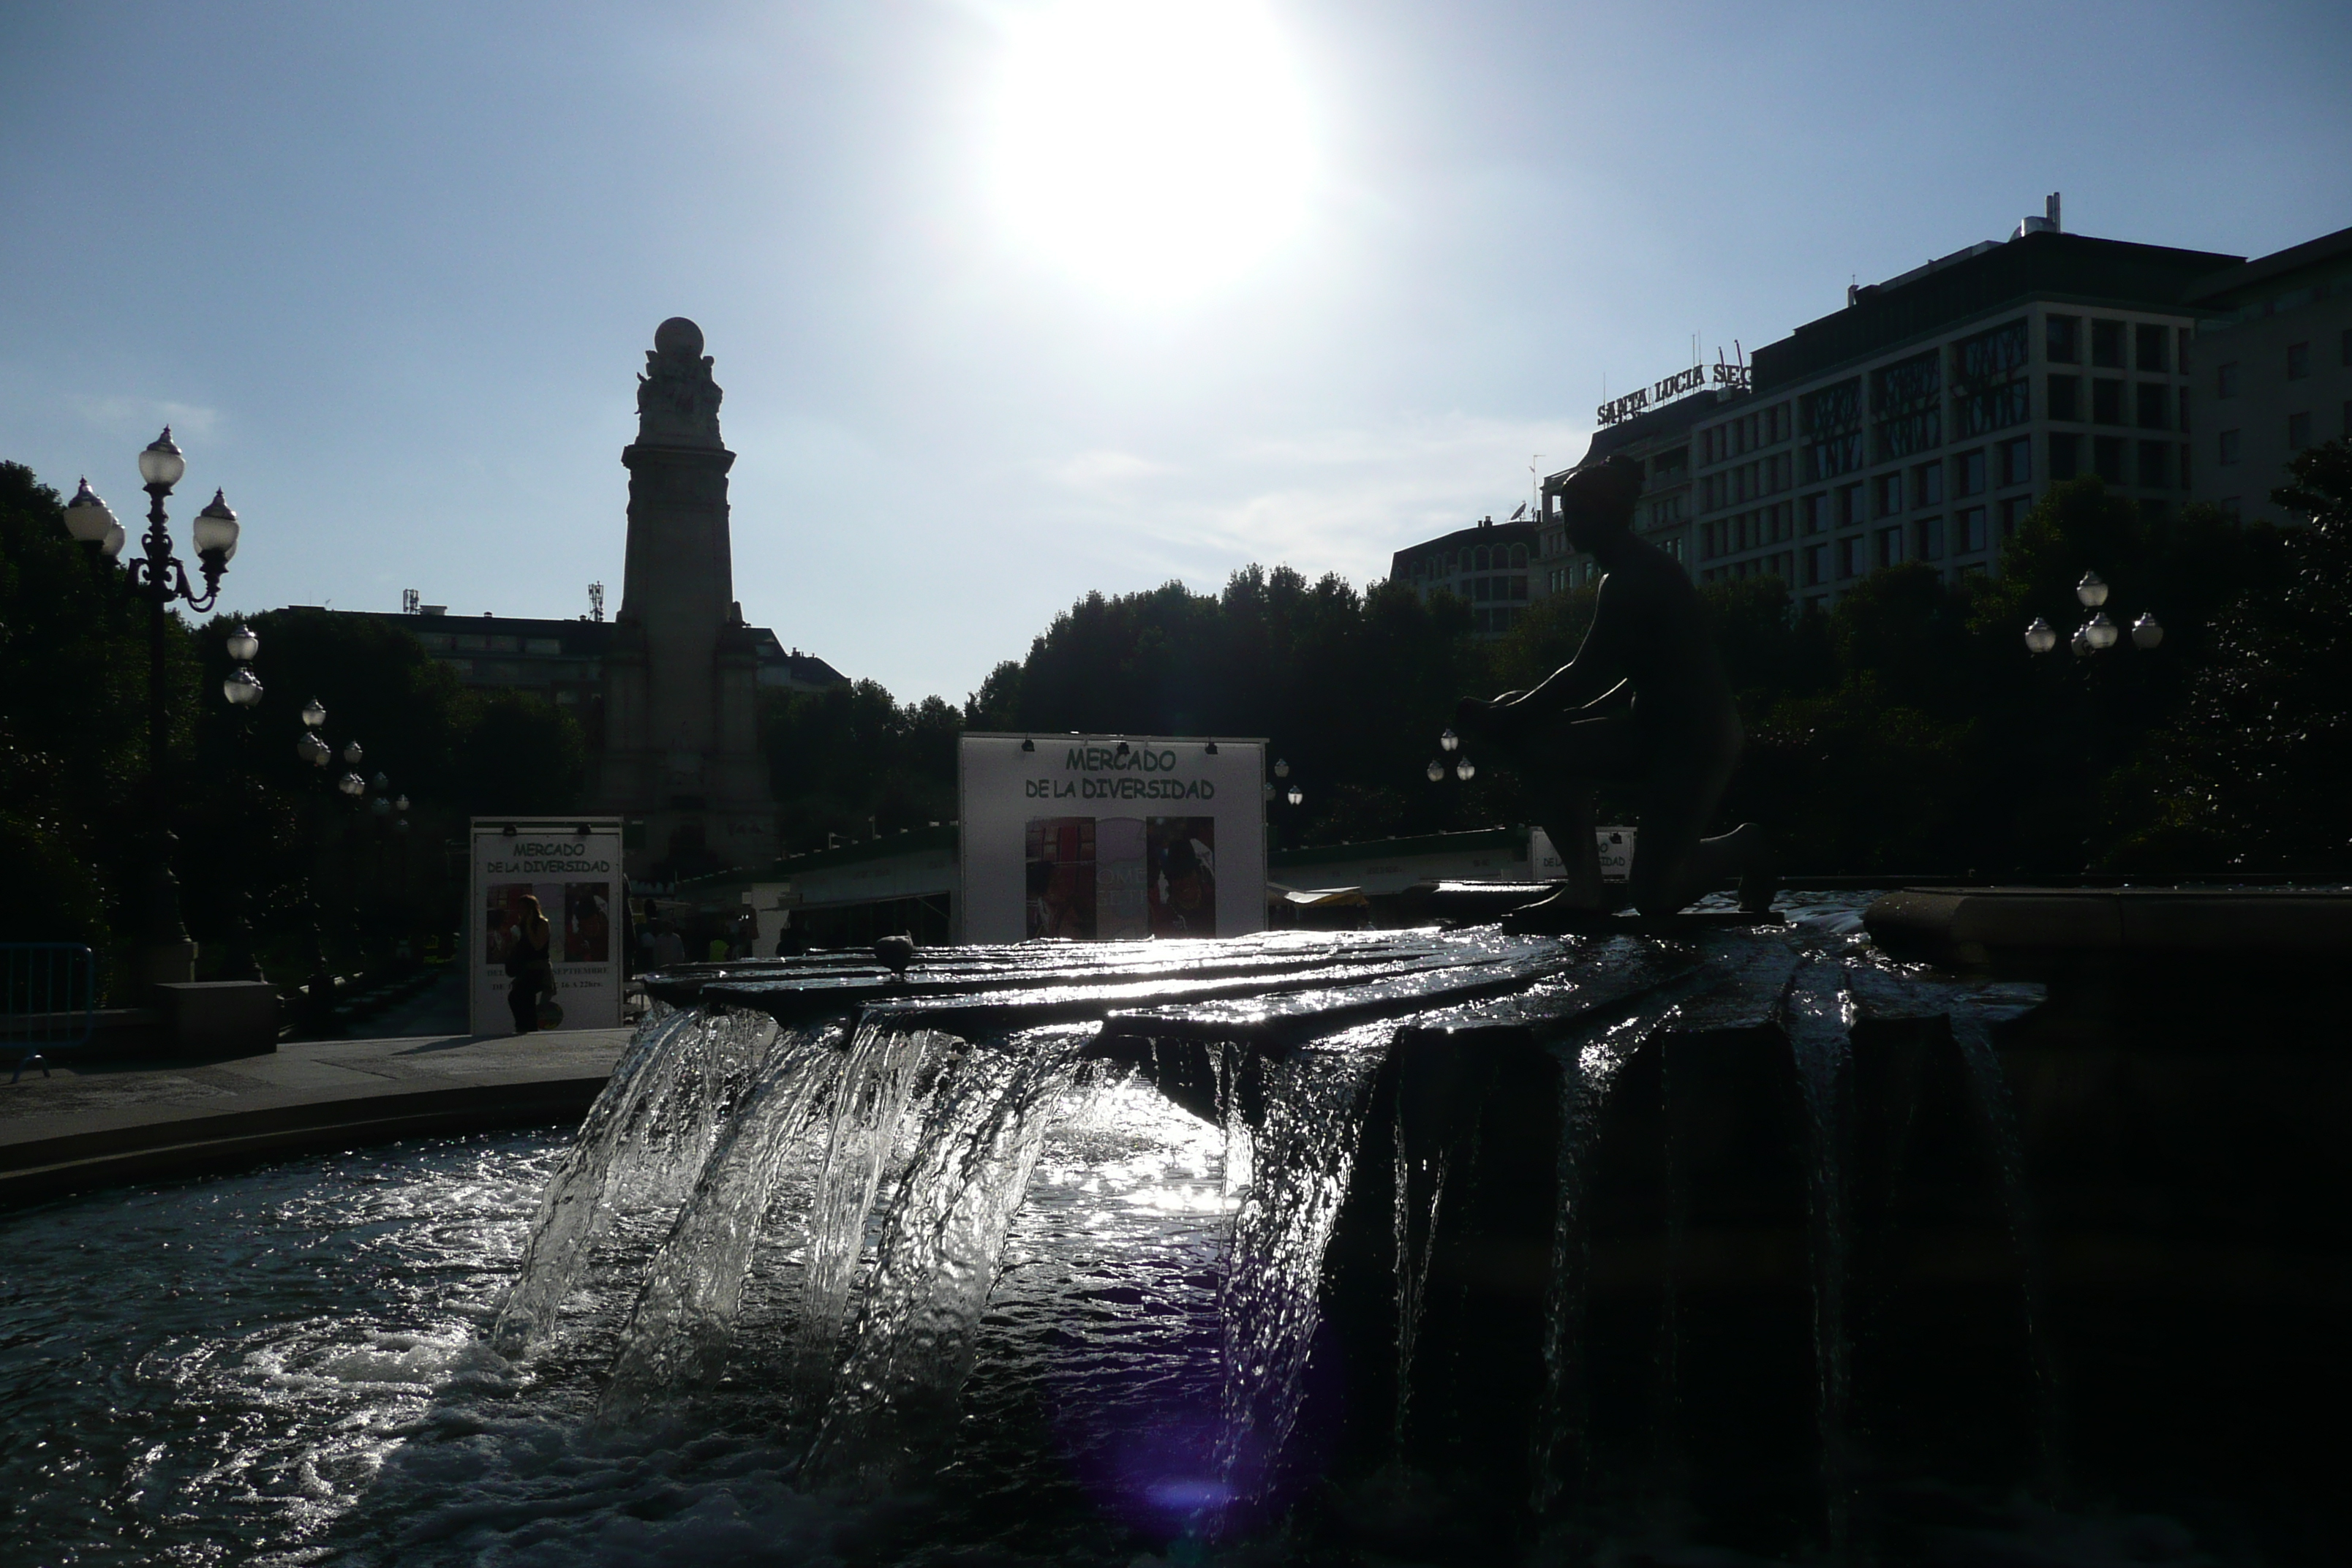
x,y
1671,865
1564,766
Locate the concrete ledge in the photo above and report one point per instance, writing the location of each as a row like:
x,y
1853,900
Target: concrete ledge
x,y
191,1143
2031,931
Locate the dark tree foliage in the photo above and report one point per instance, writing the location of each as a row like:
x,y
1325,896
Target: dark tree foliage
x,y
73,726
255,825
850,761
2250,774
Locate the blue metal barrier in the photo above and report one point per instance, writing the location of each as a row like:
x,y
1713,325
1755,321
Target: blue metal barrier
x,y
48,1000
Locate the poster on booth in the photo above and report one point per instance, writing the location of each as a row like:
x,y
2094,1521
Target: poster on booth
x,y
570,871
1077,838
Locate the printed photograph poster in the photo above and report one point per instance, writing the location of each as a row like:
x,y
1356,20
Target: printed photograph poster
x,y
1183,852
577,879
1092,838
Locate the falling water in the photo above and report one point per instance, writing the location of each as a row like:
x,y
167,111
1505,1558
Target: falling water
x,y
1590,1059
937,1258
657,1115
678,1332
1414,1249
876,1079
1817,1015
1303,1153
1972,1032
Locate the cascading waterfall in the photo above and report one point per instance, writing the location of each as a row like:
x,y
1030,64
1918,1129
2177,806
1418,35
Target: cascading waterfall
x,y
656,1119
876,1081
1972,1032
678,1332
1415,1232
912,1342
1817,1015
1590,1059
1304,1152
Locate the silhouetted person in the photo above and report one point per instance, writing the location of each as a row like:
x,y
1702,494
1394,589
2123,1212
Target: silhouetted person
x,y
1643,703
530,965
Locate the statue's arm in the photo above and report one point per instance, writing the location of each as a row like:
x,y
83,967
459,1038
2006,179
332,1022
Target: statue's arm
x,y
1593,676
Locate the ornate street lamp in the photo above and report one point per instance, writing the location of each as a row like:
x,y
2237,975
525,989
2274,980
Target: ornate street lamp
x,y
2098,633
158,576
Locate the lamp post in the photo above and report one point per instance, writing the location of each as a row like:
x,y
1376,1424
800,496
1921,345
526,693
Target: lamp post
x,y
313,748
2098,634
158,576
1463,767
243,691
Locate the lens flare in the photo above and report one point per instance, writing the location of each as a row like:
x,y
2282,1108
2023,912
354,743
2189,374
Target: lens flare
x,y
1154,150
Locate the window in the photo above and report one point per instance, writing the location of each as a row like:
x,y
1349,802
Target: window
x,y
2108,344
2150,395
1673,548
2344,352
2298,432
2064,391
2155,464
2226,449
2062,338
2184,408
2187,336
2347,421
1481,561
1849,556
2065,457
2298,361
1849,506
1927,485
1929,534
2107,402
1482,588
2147,348
1817,513
2012,512
1817,564
1969,531
1519,555
1970,479
2107,458
1518,586
2225,379
1831,420
2017,461
1906,407
1890,494
1890,547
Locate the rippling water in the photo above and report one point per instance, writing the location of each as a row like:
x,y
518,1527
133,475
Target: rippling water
x,y
286,1367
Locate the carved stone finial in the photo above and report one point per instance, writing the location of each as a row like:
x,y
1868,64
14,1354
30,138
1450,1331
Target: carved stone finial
x,y
678,401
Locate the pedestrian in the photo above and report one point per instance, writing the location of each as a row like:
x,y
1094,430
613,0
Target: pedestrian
x,y
531,966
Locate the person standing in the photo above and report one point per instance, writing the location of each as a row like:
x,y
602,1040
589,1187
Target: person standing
x,y
530,965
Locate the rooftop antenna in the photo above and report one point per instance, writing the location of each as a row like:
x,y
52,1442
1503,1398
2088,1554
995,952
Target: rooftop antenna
x,y
1535,485
595,601
409,601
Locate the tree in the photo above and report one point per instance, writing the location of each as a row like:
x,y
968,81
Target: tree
x,y
2251,773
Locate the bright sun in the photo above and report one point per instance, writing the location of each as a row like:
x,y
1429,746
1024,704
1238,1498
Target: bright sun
x,y
1153,148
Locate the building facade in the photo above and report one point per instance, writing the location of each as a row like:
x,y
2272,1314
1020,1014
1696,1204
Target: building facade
x,y
1490,566
2273,371
1921,422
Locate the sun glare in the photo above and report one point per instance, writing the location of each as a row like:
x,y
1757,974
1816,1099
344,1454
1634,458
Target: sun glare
x,y
1153,149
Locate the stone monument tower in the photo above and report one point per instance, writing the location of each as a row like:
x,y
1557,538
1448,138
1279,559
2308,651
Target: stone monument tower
x,y
681,677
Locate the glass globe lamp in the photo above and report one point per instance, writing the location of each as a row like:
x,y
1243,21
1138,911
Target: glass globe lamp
x,y
1465,770
160,465
2146,632
86,517
1281,769
354,754
2100,632
241,688
351,784
312,750
215,530
1450,741
1436,770
242,645
2092,589
314,713
2040,637
1295,795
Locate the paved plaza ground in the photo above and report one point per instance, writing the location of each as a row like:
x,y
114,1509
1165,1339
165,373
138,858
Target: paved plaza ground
x,y
91,1123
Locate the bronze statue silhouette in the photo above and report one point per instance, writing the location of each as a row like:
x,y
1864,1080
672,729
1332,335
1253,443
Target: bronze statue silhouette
x,y
1643,703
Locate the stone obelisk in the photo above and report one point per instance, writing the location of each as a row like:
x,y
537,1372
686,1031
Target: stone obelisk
x,y
681,678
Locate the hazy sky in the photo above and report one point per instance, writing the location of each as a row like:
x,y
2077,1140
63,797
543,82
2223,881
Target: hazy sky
x,y
1015,300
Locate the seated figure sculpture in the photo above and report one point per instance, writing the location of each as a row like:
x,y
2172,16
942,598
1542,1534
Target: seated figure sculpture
x,y
1643,704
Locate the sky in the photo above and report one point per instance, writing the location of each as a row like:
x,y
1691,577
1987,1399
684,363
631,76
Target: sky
x,y
1017,300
